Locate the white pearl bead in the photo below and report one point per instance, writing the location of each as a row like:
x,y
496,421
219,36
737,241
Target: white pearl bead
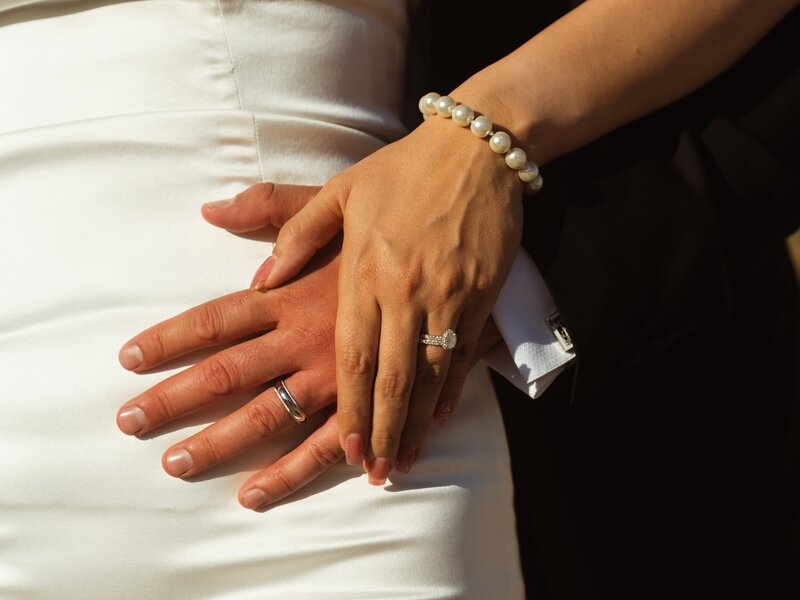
x,y
529,172
500,142
515,158
443,105
481,126
427,104
533,187
462,115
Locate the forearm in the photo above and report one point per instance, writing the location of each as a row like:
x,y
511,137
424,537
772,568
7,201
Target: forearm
x,y
607,63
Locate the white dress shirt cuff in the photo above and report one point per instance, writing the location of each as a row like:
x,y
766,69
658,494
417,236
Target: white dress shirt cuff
x,y
532,356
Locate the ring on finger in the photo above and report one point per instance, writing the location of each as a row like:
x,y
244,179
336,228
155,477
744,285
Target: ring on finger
x,y
288,401
447,340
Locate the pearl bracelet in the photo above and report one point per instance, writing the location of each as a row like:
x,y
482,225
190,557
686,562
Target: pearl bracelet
x,y
499,141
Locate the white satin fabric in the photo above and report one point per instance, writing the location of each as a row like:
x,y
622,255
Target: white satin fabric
x,y
117,119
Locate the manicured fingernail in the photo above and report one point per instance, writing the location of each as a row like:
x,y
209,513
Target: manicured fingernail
x,y
254,497
443,413
131,420
260,278
178,462
354,449
217,204
379,471
130,356
405,458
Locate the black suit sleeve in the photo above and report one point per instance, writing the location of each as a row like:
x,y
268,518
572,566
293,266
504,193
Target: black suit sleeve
x,y
650,232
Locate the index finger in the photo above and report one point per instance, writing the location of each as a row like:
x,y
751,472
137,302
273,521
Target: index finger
x,y
210,324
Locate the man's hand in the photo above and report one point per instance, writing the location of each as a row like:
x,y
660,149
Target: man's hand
x,y
294,325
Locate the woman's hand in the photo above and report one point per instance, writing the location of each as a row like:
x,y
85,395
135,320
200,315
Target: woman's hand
x,y
431,226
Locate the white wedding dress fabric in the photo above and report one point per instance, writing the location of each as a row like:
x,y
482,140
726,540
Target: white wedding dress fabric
x,y
117,120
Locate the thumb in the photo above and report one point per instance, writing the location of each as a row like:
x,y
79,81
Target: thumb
x,y
258,206
300,237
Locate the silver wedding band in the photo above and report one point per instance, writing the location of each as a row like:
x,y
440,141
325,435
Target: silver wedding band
x,y
447,340
289,403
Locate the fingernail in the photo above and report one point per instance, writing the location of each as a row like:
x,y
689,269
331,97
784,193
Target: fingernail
x,y
217,204
178,462
379,471
131,420
254,497
354,448
260,278
405,458
130,356
443,413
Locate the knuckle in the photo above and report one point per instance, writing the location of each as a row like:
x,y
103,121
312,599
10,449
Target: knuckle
x,y
262,190
284,481
484,283
407,287
386,274
219,377
429,374
392,384
289,233
444,411
153,345
384,439
261,419
356,363
160,401
253,308
324,456
315,336
450,284
351,413
210,451
207,323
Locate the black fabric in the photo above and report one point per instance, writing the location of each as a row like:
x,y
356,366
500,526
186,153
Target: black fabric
x,y
651,225
666,462
679,479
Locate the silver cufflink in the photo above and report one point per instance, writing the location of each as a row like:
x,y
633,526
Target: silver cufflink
x,y
559,330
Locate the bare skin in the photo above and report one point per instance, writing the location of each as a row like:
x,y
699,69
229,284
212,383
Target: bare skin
x,y
294,327
432,222
602,65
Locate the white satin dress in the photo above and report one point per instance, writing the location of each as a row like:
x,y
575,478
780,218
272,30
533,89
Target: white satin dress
x,y
117,120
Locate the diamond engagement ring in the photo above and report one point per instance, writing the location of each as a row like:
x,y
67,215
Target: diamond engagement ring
x,y
289,402
447,340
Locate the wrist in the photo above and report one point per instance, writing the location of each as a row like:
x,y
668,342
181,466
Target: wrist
x,y
486,96
443,108
530,114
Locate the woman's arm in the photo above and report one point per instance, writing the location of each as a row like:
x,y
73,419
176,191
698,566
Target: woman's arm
x,y
432,221
609,62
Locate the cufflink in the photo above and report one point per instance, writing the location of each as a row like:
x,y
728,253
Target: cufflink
x,y
559,330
